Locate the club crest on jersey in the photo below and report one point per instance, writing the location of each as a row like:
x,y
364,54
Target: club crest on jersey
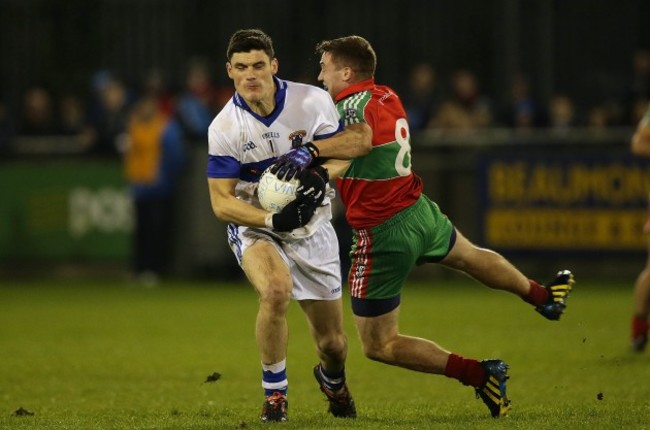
x,y
350,113
249,145
360,271
296,138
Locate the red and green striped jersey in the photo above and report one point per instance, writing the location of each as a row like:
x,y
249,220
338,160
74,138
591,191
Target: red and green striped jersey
x,y
378,185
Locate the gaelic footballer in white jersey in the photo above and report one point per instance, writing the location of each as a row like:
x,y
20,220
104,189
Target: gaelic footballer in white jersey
x,y
242,144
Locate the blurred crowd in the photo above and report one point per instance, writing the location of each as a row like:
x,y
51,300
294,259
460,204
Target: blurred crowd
x,y
100,119
461,104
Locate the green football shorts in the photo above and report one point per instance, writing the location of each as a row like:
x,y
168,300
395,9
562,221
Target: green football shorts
x,y
383,256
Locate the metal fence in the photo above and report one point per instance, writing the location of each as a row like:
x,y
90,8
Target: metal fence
x,y
62,43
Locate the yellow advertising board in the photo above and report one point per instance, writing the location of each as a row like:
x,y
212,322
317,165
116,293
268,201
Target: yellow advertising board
x,y
566,203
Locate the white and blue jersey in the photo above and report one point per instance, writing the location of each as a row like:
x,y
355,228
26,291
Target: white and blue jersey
x,y
242,144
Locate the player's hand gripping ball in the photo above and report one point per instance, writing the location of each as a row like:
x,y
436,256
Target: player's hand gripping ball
x,y
274,193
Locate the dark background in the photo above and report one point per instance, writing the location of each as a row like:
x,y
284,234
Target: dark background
x,y
580,47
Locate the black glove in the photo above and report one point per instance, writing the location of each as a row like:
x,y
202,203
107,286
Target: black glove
x,y
296,160
295,214
313,183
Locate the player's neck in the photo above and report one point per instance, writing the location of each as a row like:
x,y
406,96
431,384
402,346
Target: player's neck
x,y
263,107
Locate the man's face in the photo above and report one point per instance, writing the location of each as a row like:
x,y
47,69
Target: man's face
x,y
334,79
252,73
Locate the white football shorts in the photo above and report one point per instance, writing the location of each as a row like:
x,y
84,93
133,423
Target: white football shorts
x,y
313,261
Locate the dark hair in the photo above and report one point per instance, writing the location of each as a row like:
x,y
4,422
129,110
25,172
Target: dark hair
x,y
354,52
250,40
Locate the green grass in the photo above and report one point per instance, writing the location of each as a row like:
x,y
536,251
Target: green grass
x,y
109,355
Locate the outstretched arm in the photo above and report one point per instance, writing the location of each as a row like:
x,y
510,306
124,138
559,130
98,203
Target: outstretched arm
x,y
355,141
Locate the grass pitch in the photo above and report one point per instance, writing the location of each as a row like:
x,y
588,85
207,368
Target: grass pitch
x,y
111,355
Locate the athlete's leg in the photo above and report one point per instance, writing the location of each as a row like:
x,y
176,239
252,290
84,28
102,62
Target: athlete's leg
x,y
382,342
269,275
641,296
325,319
642,291
486,266
494,271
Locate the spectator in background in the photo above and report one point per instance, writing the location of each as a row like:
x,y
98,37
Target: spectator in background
x,y
153,160
98,81
598,118
110,118
195,106
561,114
615,112
38,118
522,112
421,96
451,116
467,108
73,120
223,94
640,146
72,115
155,85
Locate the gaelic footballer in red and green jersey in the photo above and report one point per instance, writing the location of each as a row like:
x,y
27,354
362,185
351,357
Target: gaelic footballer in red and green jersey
x,y
378,185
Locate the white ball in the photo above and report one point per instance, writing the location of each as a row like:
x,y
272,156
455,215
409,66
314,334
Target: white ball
x,y
274,194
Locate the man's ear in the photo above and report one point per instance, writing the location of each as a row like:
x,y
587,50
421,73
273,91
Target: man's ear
x,y
275,65
348,74
228,69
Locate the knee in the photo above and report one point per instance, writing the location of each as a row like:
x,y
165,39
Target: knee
x,y
334,346
377,350
276,296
